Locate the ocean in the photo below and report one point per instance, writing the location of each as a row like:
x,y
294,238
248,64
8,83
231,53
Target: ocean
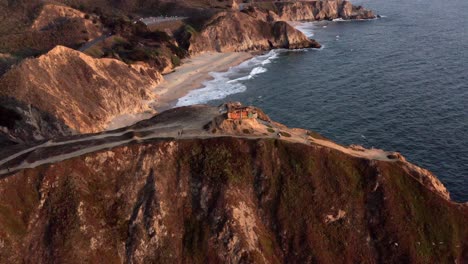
x,y
398,83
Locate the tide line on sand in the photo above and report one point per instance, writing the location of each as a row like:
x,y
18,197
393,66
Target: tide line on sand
x,y
192,74
202,78
189,76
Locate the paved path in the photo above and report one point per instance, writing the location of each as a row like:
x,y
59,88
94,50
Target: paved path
x,y
161,19
95,41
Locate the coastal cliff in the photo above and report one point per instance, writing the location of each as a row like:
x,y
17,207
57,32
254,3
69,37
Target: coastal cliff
x,y
320,10
250,191
239,31
81,92
262,26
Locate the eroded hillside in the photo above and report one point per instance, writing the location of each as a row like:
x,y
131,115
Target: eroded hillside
x,y
81,92
174,189
238,31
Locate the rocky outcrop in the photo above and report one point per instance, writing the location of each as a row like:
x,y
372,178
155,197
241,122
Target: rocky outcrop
x,y
238,31
262,27
286,36
81,92
21,123
320,10
237,195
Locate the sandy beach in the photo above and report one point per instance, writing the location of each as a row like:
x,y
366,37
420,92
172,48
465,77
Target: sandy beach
x,y
191,75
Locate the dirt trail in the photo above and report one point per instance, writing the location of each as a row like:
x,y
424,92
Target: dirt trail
x,y
176,124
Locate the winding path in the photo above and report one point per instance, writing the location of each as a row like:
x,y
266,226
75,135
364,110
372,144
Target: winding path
x,y
179,123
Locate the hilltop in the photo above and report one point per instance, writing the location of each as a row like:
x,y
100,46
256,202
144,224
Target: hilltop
x,y
81,92
190,185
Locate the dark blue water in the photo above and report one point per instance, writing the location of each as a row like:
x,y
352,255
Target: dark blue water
x,y
398,83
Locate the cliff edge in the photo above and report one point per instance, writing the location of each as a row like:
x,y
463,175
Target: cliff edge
x,y
192,185
244,31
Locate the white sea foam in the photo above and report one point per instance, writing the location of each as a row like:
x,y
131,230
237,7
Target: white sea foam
x,y
352,20
340,20
307,28
227,83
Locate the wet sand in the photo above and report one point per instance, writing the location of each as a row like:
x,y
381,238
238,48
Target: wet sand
x,y
191,75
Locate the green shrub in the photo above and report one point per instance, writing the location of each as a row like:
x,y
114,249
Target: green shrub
x,y
175,60
190,29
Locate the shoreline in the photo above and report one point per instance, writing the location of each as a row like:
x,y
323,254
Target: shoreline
x,y
192,74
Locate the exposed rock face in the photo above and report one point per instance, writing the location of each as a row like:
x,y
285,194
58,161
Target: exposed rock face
x,y
262,28
288,37
20,123
238,31
141,196
321,10
81,92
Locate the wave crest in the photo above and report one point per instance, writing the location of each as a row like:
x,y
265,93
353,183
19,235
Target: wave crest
x,y
224,84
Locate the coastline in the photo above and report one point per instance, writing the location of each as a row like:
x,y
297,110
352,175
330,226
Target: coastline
x,y
192,74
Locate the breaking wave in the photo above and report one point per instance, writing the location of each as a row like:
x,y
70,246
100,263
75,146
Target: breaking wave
x,y
307,28
223,84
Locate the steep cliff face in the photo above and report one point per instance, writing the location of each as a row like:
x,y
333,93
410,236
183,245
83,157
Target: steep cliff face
x,y
233,194
262,27
320,10
239,31
81,92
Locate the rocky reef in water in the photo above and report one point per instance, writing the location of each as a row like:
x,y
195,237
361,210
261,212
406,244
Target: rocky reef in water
x,y
191,186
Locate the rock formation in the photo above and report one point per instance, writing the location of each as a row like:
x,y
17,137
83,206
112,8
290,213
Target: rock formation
x,y
21,123
262,27
320,10
239,194
239,31
81,92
